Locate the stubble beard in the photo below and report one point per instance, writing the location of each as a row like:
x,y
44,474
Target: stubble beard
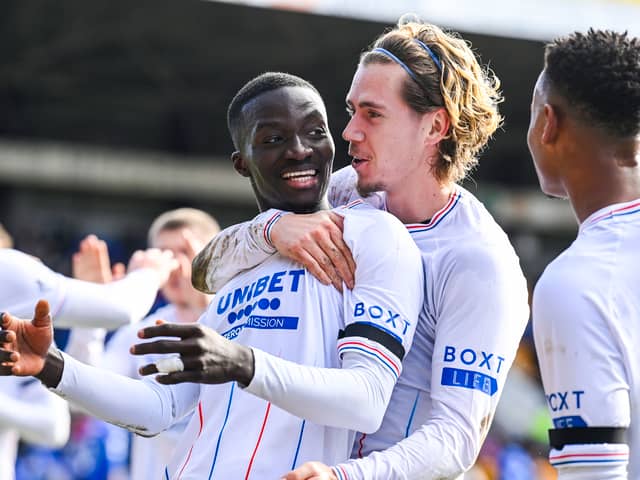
x,y
366,190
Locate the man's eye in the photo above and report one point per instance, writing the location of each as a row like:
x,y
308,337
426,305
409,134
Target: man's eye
x,y
272,139
318,132
373,114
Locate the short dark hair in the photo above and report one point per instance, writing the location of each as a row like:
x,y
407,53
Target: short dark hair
x,y
261,84
598,73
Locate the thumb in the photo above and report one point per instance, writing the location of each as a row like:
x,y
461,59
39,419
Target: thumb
x,y
42,315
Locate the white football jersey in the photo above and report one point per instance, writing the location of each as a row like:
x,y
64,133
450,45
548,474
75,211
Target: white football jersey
x,y
278,307
586,322
148,455
474,314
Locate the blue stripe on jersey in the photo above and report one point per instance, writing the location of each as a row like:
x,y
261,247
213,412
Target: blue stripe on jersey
x,y
413,412
577,462
338,473
224,424
295,457
373,354
166,473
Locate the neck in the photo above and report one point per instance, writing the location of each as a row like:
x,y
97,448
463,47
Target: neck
x,y
418,200
605,173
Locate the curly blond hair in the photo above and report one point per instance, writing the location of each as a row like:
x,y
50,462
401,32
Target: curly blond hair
x,y
469,93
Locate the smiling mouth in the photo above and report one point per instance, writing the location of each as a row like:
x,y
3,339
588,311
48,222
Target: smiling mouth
x,y
301,176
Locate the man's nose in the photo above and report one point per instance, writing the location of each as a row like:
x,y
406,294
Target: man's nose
x,y
352,132
298,150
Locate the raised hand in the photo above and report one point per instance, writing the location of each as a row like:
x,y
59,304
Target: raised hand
x,y
24,344
311,471
207,357
91,262
315,240
163,262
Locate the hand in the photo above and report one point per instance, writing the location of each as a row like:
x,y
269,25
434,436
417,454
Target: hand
x,y
24,344
163,262
311,471
91,262
315,240
207,356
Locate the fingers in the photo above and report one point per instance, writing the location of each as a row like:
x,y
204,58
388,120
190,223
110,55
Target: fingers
x,y
162,329
310,471
7,336
42,315
8,356
118,271
161,347
342,258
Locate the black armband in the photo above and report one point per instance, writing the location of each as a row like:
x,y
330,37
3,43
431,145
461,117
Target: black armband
x,y
375,334
559,437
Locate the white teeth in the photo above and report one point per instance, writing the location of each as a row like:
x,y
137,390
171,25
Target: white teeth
x,y
302,173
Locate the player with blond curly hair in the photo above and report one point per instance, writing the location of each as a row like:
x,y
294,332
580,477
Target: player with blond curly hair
x,y
421,108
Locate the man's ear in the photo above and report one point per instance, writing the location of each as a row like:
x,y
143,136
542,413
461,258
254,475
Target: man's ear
x,y
551,124
239,164
439,126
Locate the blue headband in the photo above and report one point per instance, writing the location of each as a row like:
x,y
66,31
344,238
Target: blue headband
x,y
433,56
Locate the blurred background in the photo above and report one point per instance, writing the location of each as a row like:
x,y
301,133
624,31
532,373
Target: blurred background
x,y
112,112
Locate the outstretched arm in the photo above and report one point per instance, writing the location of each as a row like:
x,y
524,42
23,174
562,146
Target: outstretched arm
x,y
143,407
118,303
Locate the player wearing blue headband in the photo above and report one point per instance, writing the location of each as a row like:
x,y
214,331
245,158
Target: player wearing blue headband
x,y
421,108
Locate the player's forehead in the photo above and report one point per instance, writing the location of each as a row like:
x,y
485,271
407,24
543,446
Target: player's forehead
x,y
376,84
283,106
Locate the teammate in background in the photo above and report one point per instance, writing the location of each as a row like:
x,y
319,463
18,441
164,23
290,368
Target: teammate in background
x,y
584,138
73,302
421,110
279,126
29,412
184,232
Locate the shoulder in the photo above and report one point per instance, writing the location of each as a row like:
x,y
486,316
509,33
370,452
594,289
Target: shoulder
x,y
570,293
362,219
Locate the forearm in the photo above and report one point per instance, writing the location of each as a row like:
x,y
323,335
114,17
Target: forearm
x,y
353,397
143,407
430,453
232,251
108,305
44,423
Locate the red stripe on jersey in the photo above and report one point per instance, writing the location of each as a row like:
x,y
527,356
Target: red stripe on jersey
x,y
186,462
255,450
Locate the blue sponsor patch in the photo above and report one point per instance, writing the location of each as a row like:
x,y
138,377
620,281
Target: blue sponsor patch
x,y
270,323
569,422
457,377
263,323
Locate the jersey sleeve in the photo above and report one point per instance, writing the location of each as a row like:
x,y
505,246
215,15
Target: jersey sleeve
x,y
110,305
234,250
142,406
39,416
381,312
477,306
583,372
